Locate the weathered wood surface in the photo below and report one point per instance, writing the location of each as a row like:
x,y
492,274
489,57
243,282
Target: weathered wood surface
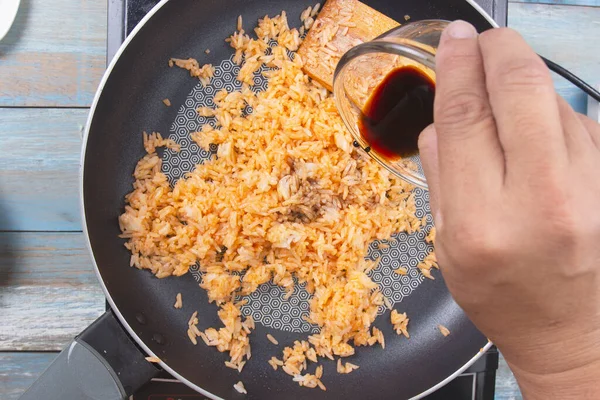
x,y
19,370
54,57
506,385
566,35
48,290
39,168
54,54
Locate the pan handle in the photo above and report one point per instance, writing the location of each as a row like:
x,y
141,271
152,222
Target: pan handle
x,y
102,363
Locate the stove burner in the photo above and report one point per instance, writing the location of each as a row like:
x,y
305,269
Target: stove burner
x,y
136,9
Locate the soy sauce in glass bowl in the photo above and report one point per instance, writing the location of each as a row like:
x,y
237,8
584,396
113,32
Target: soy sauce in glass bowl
x,y
384,91
397,112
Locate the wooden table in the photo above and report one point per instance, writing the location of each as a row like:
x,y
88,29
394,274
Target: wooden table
x,y
50,64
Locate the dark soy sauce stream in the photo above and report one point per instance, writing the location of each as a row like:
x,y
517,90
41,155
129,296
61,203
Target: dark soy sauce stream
x,y
400,107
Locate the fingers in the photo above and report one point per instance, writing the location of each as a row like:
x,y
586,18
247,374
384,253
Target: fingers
x,y
523,100
577,137
469,151
593,129
428,150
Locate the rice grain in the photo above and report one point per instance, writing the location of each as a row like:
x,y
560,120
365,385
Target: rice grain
x,y
345,368
178,301
272,339
400,323
203,73
427,264
315,10
193,318
445,331
192,336
240,387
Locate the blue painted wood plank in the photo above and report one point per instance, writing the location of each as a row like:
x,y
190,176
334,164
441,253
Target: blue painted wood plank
x,y
566,35
506,384
49,290
590,3
54,54
19,370
39,168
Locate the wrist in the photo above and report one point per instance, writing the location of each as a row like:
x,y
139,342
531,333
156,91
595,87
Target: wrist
x,y
579,383
560,364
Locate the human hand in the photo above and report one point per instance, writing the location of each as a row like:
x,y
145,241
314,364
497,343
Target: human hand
x,y
514,178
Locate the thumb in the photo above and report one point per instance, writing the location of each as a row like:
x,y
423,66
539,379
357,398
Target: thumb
x,y
428,150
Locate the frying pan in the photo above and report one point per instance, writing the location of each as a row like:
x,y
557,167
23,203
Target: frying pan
x,y
107,360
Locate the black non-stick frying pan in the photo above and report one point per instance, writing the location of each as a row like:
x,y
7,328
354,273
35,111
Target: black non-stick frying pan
x,y
104,362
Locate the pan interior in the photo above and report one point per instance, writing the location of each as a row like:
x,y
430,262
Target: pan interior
x,y
130,103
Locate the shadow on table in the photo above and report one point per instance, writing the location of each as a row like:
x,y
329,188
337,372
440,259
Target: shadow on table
x,y
16,32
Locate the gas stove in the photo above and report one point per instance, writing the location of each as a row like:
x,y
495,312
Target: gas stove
x,y
477,383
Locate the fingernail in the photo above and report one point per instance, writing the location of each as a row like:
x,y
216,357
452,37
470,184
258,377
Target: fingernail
x,y
461,30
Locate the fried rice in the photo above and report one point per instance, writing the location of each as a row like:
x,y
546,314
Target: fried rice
x,y
288,198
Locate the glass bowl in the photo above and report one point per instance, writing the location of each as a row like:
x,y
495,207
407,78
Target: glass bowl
x,y
365,66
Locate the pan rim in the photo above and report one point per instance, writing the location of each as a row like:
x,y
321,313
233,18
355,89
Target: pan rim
x,y
88,243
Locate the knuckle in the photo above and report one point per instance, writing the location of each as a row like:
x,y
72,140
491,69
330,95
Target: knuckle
x,y
461,107
564,224
473,244
427,139
456,57
568,235
530,129
563,221
493,37
575,235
